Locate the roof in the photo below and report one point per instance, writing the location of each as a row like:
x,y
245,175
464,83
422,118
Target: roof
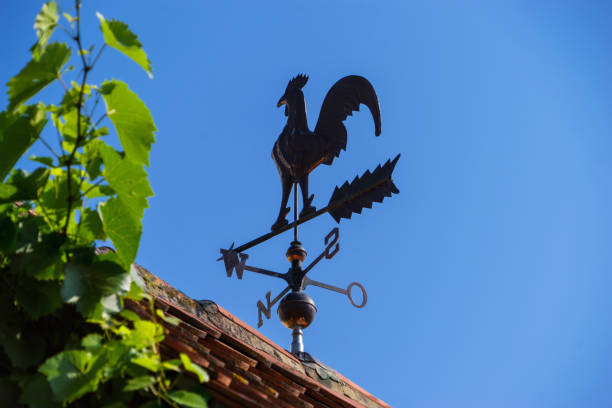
x,y
246,369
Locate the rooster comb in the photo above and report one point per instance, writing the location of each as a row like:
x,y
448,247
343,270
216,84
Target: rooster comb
x,y
297,82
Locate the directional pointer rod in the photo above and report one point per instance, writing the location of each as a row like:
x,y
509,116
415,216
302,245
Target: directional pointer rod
x,y
347,291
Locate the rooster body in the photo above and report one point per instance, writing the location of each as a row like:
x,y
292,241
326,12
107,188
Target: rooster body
x,y
298,150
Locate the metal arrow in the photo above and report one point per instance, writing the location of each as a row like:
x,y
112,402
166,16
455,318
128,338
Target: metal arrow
x,y
350,198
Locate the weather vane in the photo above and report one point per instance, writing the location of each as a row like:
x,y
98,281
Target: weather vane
x,y
297,152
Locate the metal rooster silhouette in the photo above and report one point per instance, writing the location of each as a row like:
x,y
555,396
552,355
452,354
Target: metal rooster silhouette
x,y
298,151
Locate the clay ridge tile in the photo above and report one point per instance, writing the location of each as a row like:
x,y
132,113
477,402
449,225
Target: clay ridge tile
x,y
251,330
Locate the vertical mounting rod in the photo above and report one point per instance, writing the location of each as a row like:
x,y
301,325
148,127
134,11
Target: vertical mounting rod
x,y
295,212
297,345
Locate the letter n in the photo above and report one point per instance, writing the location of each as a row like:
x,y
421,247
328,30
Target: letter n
x,y
266,310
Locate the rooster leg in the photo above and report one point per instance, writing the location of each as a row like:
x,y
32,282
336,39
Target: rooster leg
x,y
307,201
281,221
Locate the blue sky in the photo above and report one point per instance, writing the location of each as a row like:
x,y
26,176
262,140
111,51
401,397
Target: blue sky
x,y
488,277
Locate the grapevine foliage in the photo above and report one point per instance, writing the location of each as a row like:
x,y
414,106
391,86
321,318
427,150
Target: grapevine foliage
x,y
66,338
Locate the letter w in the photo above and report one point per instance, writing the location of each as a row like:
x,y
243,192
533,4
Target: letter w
x,y
230,259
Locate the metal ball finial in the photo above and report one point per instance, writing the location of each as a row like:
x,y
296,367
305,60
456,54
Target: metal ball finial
x,y
297,309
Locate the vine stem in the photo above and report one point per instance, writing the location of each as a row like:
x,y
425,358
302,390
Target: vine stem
x,y
61,26
96,184
100,120
98,55
86,69
49,147
84,107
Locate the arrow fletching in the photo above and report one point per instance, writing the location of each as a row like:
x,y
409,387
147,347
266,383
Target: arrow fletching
x,y
363,191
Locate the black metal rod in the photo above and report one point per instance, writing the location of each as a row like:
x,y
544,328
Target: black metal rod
x,y
308,281
313,263
274,233
280,295
306,218
295,212
264,272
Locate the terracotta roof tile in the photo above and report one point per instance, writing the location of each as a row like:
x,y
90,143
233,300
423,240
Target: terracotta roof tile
x,y
296,376
318,400
279,382
246,368
340,399
223,350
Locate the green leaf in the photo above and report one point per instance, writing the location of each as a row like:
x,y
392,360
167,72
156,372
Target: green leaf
x,y
118,35
54,198
36,392
9,392
18,130
71,98
37,74
116,405
38,255
137,278
30,229
92,342
150,361
24,350
91,227
154,404
188,399
128,179
200,390
111,304
70,130
128,314
38,298
144,334
25,186
6,191
73,373
139,383
91,158
101,131
122,215
173,364
194,368
8,234
123,226
69,17
47,161
93,191
168,319
132,120
136,292
87,285
45,23
117,355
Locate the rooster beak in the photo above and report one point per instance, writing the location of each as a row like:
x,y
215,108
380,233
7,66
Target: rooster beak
x,y
281,102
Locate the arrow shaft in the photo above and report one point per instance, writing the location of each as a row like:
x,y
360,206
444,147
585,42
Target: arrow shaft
x,y
287,227
309,217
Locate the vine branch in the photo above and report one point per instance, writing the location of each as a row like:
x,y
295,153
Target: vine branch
x,y
86,69
49,147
